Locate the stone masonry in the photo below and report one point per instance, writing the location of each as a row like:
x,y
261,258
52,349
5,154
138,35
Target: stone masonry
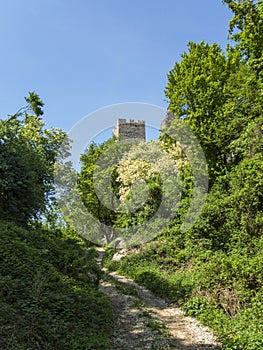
x,y
130,130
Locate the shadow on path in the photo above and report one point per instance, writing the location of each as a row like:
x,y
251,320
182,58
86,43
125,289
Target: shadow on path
x,y
144,321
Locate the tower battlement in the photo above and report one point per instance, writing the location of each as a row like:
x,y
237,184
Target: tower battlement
x,y
130,130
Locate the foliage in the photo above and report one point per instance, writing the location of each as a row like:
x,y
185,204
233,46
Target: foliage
x,y
48,277
121,185
91,173
196,92
27,156
214,271
49,293
246,28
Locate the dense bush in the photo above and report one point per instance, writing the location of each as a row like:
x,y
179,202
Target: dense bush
x,y
214,271
49,292
222,289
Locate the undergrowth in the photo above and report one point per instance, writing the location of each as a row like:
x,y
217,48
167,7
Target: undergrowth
x,y
49,292
224,290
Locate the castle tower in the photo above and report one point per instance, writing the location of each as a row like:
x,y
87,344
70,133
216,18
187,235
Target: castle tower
x,y
130,130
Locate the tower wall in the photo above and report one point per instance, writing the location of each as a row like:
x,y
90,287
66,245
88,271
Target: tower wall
x,y
130,130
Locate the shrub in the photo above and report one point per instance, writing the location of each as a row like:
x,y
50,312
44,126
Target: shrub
x,y
49,293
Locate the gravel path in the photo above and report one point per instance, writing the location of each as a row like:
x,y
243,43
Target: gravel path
x,y
144,321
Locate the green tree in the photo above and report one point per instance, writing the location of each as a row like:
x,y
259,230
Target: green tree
x,y
27,156
196,92
246,28
95,172
217,95
125,185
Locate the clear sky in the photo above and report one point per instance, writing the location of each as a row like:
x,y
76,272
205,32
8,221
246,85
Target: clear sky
x,y
81,55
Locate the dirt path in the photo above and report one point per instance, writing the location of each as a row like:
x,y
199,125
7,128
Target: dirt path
x,y
144,321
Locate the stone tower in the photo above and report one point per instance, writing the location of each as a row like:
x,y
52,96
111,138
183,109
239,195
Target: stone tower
x,y
130,130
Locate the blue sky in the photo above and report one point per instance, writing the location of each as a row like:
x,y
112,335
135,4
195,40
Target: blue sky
x,y
83,55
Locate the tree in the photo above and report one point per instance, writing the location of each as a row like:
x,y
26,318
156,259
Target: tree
x,y
27,156
217,95
126,187
196,92
246,28
95,198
